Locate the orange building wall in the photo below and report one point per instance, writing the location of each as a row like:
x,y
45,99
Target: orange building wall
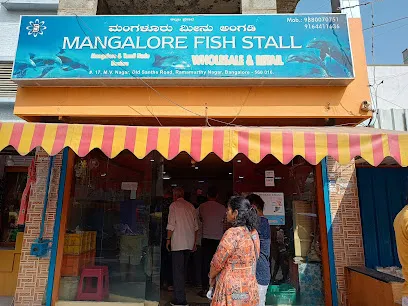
x,y
221,102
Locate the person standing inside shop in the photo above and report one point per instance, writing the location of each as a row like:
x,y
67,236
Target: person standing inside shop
x,y
182,229
401,235
212,216
263,270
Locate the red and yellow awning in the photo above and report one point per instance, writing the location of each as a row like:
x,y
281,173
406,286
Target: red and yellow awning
x,y
313,144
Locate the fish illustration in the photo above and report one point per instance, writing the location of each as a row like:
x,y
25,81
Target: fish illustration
x,y
21,67
330,49
69,64
41,61
171,61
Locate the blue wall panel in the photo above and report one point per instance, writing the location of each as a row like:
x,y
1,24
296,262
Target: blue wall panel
x,y
382,192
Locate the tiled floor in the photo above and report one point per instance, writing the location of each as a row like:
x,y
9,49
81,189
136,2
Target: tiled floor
x,y
6,300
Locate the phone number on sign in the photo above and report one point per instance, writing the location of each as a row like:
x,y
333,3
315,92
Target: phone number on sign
x,y
320,26
321,19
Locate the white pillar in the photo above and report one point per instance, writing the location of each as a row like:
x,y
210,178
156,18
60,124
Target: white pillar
x,y
77,7
258,7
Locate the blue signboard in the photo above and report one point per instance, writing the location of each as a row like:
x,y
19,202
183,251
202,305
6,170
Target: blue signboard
x,y
313,46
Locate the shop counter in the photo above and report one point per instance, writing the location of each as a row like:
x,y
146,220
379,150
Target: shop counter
x,y
372,288
9,266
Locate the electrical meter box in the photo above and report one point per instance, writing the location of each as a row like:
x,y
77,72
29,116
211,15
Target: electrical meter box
x,y
40,248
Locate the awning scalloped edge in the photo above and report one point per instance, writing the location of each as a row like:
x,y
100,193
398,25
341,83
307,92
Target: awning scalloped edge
x,y
312,143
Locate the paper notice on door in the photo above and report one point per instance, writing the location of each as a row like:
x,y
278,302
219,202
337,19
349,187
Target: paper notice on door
x,y
274,209
270,178
130,185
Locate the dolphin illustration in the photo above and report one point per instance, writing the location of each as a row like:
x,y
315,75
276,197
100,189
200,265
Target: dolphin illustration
x,y
69,64
41,61
317,72
336,69
171,61
330,49
21,67
46,71
313,59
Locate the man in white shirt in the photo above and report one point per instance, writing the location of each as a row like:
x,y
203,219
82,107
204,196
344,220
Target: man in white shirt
x,y
212,216
182,228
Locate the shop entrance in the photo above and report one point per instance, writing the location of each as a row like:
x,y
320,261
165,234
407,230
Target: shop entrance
x,y
14,179
196,178
117,220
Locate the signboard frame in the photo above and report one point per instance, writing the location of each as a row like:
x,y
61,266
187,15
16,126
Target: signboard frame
x,y
135,81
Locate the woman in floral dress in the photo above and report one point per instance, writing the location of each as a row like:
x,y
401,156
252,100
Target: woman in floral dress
x,y
233,268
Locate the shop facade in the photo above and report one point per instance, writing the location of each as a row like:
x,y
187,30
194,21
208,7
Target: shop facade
x,y
142,137
35,273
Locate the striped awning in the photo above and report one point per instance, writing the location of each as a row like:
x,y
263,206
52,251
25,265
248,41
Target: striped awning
x,y
342,143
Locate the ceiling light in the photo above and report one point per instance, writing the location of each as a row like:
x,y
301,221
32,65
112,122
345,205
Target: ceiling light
x,y
238,160
230,173
166,177
103,174
240,177
152,160
196,168
201,182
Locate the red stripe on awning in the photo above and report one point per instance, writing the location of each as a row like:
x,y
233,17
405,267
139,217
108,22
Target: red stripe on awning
x,y
265,139
196,136
395,148
174,145
38,136
218,143
60,137
85,140
355,149
378,151
130,138
107,140
152,137
332,146
310,144
16,135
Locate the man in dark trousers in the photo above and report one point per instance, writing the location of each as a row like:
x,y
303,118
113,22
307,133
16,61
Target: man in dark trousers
x,y
212,216
182,228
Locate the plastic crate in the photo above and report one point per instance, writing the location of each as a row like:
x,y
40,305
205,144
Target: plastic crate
x,y
76,244
71,265
88,241
76,239
284,294
73,250
93,240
